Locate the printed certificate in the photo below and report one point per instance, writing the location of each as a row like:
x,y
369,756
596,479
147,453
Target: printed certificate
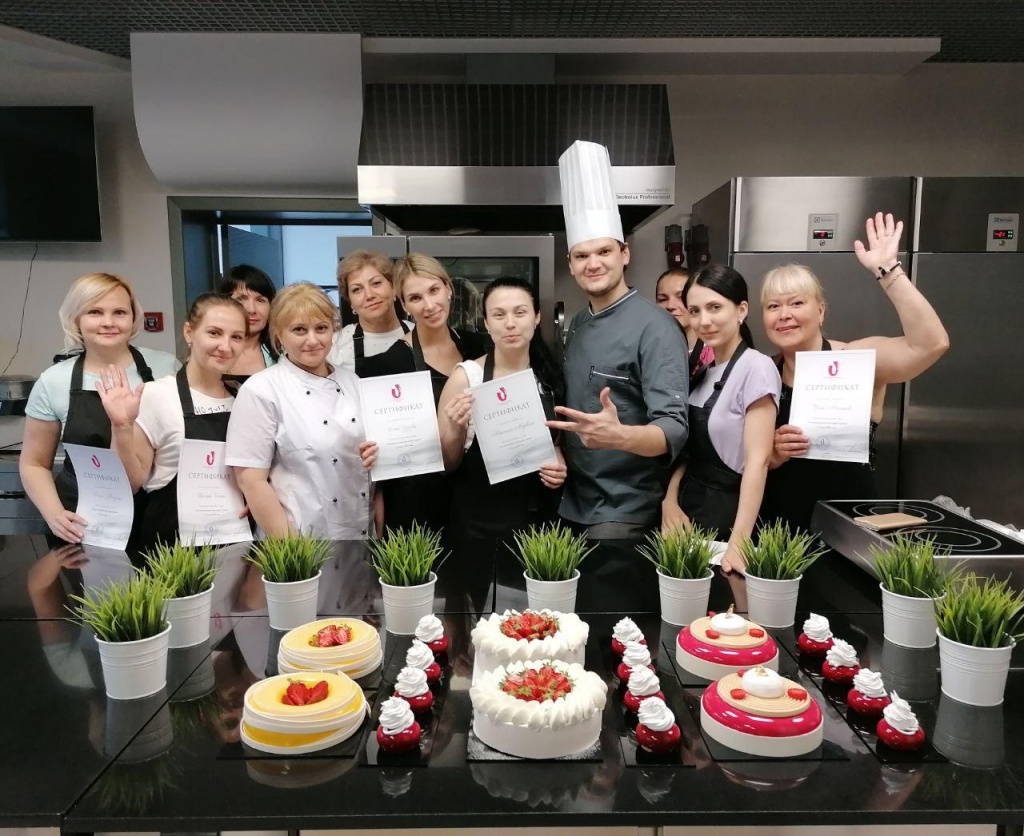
x,y
508,419
209,501
105,496
832,392
399,414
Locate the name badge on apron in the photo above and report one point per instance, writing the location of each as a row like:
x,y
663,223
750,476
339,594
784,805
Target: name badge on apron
x,y
209,501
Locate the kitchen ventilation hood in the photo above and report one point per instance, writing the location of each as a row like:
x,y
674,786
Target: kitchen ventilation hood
x,y
439,157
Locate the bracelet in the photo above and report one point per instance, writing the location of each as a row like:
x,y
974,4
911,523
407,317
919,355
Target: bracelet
x,y
889,282
882,272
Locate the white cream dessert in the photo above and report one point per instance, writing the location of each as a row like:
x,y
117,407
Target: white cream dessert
x,y
656,715
841,663
899,729
538,709
635,655
395,716
411,685
643,683
625,630
763,682
868,695
430,631
520,637
657,730
729,623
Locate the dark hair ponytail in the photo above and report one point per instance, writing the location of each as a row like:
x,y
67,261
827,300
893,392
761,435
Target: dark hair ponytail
x,y
724,280
542,361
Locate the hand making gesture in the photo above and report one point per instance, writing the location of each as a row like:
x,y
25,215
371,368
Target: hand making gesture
x,y
883,237
120,401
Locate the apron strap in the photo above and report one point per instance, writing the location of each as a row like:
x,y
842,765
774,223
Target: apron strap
x,y
709,404
184,393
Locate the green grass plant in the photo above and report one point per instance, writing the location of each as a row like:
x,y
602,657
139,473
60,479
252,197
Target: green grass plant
x,y
123,611
982,612
908,567
296,557
406,557
780,554
550,552
184,570
683,553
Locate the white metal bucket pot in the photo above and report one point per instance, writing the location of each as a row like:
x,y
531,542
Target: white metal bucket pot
x,y
557,596
772,603
404,606
683,600
132,670
291,605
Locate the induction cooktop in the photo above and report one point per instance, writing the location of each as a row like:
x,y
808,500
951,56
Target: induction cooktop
x,y
981,549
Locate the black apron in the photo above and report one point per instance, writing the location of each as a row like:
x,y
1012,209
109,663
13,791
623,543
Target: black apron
x,y
160,519
481,510
362,368
87,424
794,488
710,493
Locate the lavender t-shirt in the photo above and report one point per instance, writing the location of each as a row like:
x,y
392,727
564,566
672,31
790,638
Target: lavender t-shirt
x,y
753,377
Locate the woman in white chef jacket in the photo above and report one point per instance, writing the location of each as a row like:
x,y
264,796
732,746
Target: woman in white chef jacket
x,y
296,437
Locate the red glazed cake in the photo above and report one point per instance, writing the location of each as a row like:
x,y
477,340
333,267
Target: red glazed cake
x,y
657,730
816,638
898,729
430,631
723,643
420,656
867,696
398,730
642,685
841,663
635,655
761,713
412,687
625,631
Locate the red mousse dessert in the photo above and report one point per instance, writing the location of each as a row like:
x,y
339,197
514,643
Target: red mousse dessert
x,y
643,684
841,663
635,655
657,730
398,730
898,729
867,696
430,631
625,631
420,656
816,639
412,687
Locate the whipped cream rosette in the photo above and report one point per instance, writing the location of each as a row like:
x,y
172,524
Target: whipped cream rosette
x,y
398,730
635,655
868,695
816,638
841,663
430,631
411,685
420,656
625,630
899,728
657,730
643,683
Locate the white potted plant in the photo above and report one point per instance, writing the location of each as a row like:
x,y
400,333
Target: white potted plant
x,y
405,561
128,618
682,558
775,565
551,556
979,622
291,577
911,580
186,573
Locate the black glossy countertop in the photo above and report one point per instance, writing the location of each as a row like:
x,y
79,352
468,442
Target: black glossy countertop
x,y
173,761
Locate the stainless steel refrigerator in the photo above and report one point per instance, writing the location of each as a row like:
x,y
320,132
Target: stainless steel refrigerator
x,y
757,223
963,425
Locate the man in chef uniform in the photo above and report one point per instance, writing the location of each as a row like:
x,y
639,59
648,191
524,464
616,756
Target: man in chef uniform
x,y
625,369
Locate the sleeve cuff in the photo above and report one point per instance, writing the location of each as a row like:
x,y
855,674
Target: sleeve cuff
x,y
675,434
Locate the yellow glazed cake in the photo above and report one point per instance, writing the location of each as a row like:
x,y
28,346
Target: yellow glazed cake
x,y
341,645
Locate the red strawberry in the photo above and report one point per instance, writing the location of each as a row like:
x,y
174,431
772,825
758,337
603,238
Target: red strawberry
x,y
331,636
545,683
317,693
797,693
529,625
756,632
738,694
296,694
712,634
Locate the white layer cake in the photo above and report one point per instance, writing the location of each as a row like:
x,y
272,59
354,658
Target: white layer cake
x,y
539,729
493,648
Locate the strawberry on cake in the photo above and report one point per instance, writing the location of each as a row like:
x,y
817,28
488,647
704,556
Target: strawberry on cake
x,y
841,663
521,637
625,630
867,696
898,729
722,643
398,730
538,709
761,713
816,639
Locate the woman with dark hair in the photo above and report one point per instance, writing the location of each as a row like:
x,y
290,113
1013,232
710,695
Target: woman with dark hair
x,y
254,291
512,316
668,295
732,418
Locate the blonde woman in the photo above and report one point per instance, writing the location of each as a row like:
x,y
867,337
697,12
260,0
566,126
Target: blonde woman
x,y
425,291
100,315
295,437
794,316
365,282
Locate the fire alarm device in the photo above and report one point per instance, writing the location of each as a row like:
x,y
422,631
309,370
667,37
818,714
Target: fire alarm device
x,y
674,246
153,321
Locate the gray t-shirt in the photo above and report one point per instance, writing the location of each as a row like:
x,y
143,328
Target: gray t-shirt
x,y
753,377
637,350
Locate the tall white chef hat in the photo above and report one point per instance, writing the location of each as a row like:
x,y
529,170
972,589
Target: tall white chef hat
x,y
588,199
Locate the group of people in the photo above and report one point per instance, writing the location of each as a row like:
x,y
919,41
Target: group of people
x,y
661,414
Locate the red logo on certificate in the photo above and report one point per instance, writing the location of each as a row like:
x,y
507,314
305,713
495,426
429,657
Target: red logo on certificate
x,y
833,369
95,462
210,457
396,391
502,394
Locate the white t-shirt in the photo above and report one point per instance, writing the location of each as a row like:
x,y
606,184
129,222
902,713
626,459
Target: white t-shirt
x,y
753,377
50,396
163,423
342,351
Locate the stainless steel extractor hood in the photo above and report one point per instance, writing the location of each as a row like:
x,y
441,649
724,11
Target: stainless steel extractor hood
x,y
435,157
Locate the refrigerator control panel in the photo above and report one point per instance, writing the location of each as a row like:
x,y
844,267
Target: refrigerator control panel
x,y
821,232
1003,232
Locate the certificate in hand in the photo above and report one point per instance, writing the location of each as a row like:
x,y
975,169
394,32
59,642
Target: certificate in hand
x,y
508,418
399,414
105,496
209,501
832,392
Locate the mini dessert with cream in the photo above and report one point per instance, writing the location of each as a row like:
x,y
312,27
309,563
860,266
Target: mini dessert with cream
x,y
868,695
342,645
295,714
538,709
635,655
816,639
527,636
625,630
420,656
759,712
398,730
412,687
898,728
657,730
642,684
430,631
723,643
841,663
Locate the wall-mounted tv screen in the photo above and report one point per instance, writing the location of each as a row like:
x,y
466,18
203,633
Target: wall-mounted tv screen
x,y
48,181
